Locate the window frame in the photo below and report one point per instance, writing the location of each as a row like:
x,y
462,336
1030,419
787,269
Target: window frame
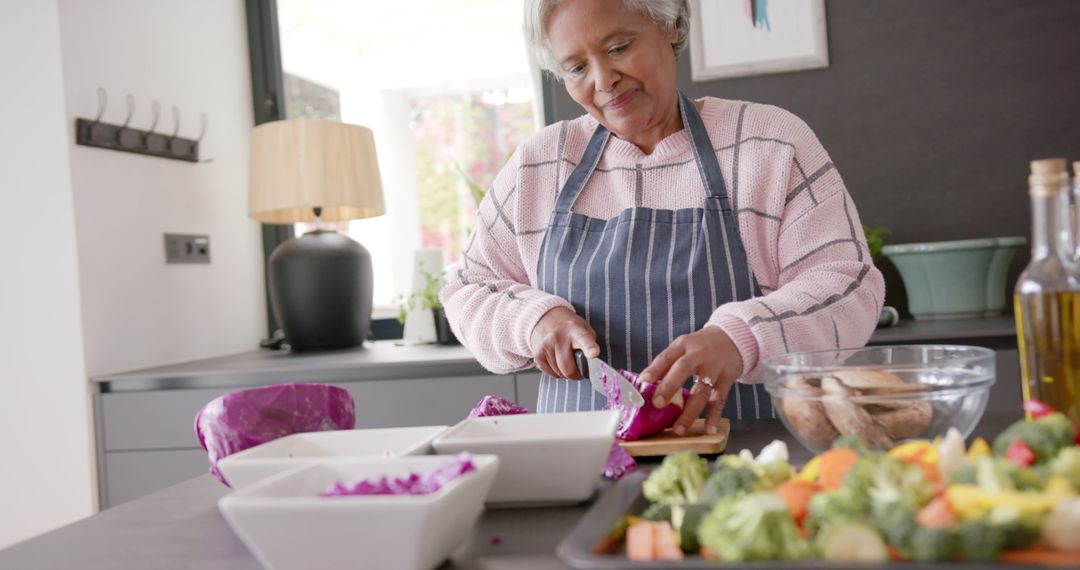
x,y
268,97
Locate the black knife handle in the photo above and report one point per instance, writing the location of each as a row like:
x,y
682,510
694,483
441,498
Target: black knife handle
x,y
582,362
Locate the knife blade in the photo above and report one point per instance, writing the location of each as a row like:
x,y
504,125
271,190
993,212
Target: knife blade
x,y
596,370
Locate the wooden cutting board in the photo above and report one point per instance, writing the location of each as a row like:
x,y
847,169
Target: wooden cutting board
x,y
666,442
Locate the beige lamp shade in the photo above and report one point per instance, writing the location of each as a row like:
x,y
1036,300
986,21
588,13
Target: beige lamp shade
x,y
301,164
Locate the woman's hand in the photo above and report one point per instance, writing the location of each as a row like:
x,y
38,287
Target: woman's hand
x,y
554,339
711,356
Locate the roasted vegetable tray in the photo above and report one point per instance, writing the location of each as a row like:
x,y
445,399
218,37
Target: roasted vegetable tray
x,y
583,548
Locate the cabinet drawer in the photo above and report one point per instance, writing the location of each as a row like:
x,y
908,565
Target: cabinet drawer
x,y
153,420
166,419
427,401
132,474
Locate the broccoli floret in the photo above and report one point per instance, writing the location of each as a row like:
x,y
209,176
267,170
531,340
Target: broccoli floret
x,y
657,512
729,481
756,526
893,482
978,540
963,475
772,474
993,474
686,519
1044,436
852,441
678,480
736,475
843,504
897,523
1017,530
931,545
1060,428
1067,464
997,474
896,490
1030,479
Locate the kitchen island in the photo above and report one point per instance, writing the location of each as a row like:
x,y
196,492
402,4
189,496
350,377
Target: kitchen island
x,y
180,527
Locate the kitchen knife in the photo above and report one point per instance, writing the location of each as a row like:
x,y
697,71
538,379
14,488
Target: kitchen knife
x,y
594,369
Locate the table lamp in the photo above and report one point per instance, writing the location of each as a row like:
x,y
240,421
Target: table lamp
x,y
305,170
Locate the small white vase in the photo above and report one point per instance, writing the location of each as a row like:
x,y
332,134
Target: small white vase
x,y
419,327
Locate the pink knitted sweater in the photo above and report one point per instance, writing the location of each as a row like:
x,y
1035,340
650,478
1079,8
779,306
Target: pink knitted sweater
x,y
799,227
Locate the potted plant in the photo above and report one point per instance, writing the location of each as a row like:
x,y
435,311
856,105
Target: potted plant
x,y
427,299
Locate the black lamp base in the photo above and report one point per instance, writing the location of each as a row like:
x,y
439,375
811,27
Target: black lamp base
x,y
320,288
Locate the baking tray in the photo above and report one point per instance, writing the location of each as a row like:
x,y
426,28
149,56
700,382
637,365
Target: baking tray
x,y
625,498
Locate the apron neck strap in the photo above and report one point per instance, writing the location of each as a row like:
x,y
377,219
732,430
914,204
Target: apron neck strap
x,y
704,155
708,167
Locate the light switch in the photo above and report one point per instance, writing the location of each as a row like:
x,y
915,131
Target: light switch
x,y
187,248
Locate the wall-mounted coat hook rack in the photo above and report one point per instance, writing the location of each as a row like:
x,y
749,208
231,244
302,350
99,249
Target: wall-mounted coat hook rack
x,y
129,139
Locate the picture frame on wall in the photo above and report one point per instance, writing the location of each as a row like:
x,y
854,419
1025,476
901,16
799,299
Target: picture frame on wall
x,y
738,38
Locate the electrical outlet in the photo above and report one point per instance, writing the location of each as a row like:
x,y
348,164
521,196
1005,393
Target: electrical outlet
x,y
185,248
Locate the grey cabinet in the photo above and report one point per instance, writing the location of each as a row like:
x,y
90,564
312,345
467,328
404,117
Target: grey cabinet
x,y
528,389
147,441
423,401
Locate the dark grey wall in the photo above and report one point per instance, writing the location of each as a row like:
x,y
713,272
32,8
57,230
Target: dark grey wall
x,y
932,109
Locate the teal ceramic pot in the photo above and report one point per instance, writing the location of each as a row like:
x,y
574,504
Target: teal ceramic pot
x,y
955,279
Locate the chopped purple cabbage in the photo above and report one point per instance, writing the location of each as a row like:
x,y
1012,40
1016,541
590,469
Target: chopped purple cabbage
x,y
495,406
246,418
619,462
413,484
635,423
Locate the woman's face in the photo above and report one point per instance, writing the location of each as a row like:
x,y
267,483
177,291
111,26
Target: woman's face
x,y
619,66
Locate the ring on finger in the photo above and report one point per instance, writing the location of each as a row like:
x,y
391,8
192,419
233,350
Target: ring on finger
x,y
706,381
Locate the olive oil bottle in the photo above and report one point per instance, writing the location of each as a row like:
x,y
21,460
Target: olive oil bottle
x,y
1047,296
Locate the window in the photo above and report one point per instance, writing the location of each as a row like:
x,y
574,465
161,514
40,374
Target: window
x,y
448,91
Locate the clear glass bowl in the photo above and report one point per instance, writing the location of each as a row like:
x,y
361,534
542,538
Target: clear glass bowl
x,y
884,394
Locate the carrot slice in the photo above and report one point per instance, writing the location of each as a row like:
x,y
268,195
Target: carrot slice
x,y
936,514
665,541
640,541
797,495
835,464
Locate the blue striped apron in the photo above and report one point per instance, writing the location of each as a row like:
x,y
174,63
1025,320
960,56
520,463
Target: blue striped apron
x,y
646,276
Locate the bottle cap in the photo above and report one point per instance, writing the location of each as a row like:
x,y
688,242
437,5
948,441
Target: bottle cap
x,y
1048,172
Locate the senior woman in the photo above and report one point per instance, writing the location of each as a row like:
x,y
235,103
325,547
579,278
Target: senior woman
x,y
680,239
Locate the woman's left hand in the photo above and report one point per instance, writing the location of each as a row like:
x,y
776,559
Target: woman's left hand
x,y
711,356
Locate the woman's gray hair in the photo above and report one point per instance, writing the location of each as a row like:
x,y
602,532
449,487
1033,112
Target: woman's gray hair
x,y
666,14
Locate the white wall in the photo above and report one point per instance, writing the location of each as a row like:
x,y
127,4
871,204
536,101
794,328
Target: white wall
x,y
46,464
138,311
84,288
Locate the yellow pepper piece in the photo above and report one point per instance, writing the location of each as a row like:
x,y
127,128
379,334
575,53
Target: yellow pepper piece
x,y
972,502
1059,488
979,448
917,449
968,501
809,471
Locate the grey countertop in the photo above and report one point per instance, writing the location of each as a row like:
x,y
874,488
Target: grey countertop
x,y
382,360
386,360
180,527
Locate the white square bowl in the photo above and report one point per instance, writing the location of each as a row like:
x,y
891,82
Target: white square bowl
x,y
543,458
286,524
250,465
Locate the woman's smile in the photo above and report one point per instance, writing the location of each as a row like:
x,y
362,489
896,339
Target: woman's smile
x,y
622,101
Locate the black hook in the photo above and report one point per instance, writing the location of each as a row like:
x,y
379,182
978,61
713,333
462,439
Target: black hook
x,y
204,124
103,101
176,127
130,99
155,111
